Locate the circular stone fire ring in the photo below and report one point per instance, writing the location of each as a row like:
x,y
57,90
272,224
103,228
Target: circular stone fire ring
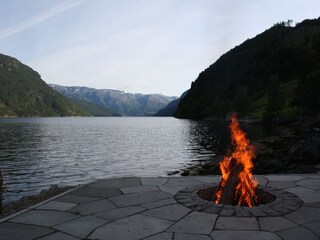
x,y
274,202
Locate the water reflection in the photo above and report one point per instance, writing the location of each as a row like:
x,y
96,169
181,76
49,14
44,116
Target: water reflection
x,y
38,152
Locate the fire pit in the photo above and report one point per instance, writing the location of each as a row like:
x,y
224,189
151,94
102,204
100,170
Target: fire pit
x,y
263,196
238,194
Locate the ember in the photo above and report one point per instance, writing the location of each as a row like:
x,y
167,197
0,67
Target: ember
x,y
237,185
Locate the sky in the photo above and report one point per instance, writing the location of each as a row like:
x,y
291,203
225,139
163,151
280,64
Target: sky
x,y
137,46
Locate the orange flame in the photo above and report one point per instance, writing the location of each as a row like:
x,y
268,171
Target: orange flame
x,y
243,152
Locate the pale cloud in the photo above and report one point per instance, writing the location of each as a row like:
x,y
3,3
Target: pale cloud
x,y
64,6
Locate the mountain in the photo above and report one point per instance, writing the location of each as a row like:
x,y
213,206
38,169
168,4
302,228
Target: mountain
x,y
126,104
24,94
171,108
273,74
95,109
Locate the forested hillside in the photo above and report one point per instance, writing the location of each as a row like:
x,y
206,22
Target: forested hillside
x,y
275,73
24,93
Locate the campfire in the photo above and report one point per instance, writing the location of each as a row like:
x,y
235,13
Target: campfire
x,y
237,185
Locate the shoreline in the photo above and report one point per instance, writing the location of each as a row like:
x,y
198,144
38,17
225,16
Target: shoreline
x,y
28,201
289,152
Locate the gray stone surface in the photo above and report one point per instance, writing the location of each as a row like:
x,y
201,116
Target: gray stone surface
x,y
58,206
118,213
70,198
93,207
183,182
58,236
262,180
286,177
44,217
208,179
306,195
170,212
195,222
281,184
139,198
134,227
81,227
134,208
98,192
15,231
138,189
154,180
309,183
314,227
172,189
274,224
304,215
314,204
117,183
297,234
237,223
183,236
160,203
243,235
161,236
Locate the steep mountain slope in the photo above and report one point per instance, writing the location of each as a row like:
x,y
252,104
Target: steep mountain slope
x,y
171,108
95,109
275,73
126,104
24,93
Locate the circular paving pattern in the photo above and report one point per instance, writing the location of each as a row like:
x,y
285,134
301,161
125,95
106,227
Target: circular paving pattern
x,y
284,203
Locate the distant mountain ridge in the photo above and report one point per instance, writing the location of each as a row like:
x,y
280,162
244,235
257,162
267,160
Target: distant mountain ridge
x,y
126,104
24,94
170,109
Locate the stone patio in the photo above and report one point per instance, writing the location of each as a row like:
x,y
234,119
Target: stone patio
x,y
168,208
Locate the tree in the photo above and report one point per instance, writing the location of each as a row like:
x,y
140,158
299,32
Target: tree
x,y
275,99
307,96
241,101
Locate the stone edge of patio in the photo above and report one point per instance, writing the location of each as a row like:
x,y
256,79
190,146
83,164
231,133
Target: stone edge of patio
x,y
148,208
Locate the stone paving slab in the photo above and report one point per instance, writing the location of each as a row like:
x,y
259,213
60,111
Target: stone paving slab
x,y
170,212
154,208
118,213
195,222
237,223
274,224
44,218
58,235
15,231
243,235
81,227
139,198
134,227
58,206
298,234
71,198
92,207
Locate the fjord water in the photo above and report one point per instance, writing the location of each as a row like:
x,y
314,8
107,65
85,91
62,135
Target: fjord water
x,y
36,153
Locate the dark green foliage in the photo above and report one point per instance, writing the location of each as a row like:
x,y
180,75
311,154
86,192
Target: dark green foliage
x,y
95,109
240,79
276,100
24,93
307,95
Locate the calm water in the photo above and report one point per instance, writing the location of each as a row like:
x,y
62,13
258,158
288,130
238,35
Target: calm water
x,y
36,153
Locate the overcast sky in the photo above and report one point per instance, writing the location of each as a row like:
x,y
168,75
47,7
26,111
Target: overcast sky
x,y
145,46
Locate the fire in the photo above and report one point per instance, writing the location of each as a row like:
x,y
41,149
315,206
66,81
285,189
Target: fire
x,y
243,152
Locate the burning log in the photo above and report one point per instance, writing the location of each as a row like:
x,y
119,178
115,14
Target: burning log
x,y
237,185
229,190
